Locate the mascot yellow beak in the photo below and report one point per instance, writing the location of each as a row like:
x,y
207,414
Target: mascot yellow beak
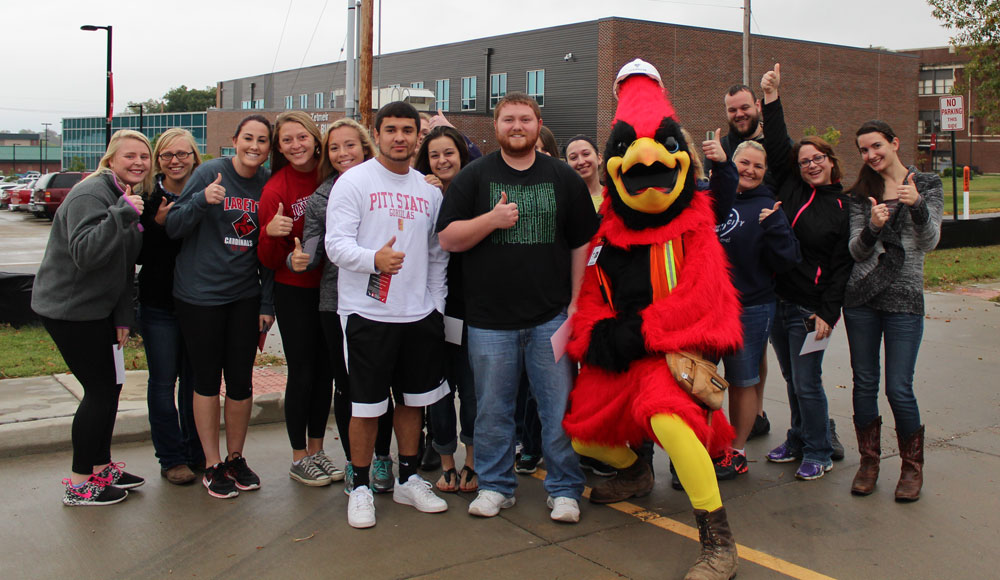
x,y
648,178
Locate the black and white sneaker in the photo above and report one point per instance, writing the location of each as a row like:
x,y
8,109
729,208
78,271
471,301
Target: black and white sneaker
x,y
241,474
114,475
92,492
218,483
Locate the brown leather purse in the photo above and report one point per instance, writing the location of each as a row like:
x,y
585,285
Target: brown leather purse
x,y
698,377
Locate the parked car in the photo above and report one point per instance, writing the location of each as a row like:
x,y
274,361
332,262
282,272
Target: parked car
x,y
20,197
50,190
5,193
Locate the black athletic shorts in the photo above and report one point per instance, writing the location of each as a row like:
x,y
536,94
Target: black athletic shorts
x,y
408,356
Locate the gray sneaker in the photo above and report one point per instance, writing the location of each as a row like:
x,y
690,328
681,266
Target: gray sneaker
x,y
382,478
348,478
308,473
323,461
838,447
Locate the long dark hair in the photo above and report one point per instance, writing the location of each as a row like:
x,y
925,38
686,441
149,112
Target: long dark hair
x,y
870,183
423,163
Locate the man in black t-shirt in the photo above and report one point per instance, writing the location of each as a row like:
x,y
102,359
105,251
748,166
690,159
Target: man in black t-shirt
x,y
523,222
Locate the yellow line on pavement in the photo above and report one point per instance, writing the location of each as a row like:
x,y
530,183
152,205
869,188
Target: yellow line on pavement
x,y
746,553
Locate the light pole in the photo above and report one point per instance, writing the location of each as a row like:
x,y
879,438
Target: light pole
x,y
45,140
107,131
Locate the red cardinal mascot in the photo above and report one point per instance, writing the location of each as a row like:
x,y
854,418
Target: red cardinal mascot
x,y
657,282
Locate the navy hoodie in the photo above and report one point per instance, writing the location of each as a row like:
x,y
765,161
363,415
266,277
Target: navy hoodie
x,y
757,250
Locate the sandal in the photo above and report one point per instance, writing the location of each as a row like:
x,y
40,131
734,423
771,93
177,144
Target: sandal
x,y
470,480
446,482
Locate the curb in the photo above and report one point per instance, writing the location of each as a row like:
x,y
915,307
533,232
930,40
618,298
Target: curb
x,y
132,424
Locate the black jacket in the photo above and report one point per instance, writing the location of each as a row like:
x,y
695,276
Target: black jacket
x,y
820,218
156,278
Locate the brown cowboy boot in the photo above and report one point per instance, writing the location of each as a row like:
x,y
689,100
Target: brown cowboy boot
x,y
911,476
636,480
870,448
718,559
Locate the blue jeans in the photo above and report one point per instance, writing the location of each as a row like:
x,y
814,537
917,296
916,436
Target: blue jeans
x,y
175,438
865,329
810,431
498,358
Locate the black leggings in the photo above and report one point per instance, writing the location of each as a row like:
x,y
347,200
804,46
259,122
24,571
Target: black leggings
x,y
310,377
221,340
342,390
86,348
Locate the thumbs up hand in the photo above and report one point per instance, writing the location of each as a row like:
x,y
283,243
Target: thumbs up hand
x,y
764,213
504,214
713,148
388,260
299,260
908,193
280,225
161,212
215,192
771,80
135,200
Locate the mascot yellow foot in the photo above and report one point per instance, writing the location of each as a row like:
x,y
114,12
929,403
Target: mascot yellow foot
x,y
694,467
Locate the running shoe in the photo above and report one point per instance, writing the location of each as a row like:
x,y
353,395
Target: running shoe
x,y
731,464
527,463
564,509
417,492
784,454
92,492
241,474
489,503
217,483
114,475
382,478
810,470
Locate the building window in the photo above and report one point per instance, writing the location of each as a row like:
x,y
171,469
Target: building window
x,y
228,151
936,82
289,101
319,100
245,105
417,85
303,101
536,86
442,94
468,93
929,122
333,100
258,104
498,88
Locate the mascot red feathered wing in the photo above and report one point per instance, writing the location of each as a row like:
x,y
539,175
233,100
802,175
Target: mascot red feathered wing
x,y
657,282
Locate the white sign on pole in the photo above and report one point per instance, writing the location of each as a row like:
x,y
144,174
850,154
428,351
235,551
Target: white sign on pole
x,y
952,113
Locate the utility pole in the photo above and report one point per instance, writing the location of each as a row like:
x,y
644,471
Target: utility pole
x,y
350,89
45,138
746,42
365,72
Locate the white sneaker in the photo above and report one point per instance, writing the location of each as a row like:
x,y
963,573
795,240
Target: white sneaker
x,y
489,503
361,508
564,509
417,493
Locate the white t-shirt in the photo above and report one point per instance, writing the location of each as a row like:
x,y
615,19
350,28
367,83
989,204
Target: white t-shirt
x,y
368,206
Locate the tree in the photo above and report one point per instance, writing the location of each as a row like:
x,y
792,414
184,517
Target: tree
x,y
76,164
182,99
976,24
148,106
831,135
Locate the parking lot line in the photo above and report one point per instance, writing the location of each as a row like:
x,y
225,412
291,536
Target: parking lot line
x,y
746,553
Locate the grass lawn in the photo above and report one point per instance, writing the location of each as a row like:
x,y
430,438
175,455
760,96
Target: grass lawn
x,y
984,194
29,352
946,268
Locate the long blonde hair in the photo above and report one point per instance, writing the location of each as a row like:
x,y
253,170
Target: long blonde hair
x,y
165,138
104,165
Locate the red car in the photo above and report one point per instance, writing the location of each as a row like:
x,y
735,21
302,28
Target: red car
x,y
20,198
50,190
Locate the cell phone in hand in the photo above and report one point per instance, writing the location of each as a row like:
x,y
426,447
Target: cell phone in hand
x,y
810,324
709,135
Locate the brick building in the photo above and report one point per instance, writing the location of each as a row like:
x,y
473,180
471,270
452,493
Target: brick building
x,y
570,69
941,68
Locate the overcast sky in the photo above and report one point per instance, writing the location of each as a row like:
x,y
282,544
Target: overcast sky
x,y
52,69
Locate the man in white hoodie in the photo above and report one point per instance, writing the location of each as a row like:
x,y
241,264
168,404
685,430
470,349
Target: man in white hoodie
x,y
382,213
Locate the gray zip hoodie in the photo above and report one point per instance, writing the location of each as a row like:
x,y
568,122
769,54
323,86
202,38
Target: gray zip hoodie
x,y
89,265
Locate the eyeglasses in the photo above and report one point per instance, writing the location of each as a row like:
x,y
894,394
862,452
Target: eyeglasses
x,y
817,159
166,157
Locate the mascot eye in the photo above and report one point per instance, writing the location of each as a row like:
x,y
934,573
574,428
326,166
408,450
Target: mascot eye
x,y
671,145
621,147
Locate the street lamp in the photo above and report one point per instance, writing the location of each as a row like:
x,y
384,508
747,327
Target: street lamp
x,y
91,28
